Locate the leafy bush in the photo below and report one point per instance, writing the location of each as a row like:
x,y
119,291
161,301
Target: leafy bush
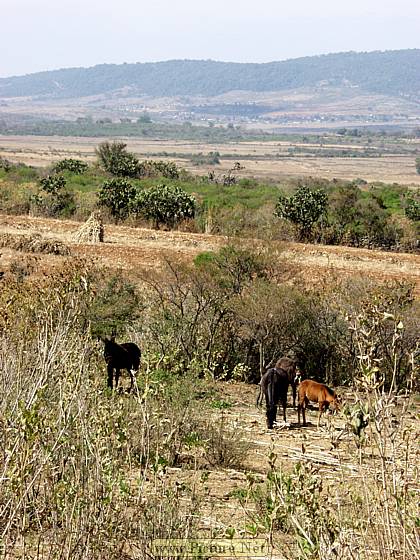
x,y
412,209
115,159
52,184
73,165
5,164
116,303
150,168
117,195
165,204
57,201
304,208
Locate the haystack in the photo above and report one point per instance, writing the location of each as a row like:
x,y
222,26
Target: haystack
x,y
92,231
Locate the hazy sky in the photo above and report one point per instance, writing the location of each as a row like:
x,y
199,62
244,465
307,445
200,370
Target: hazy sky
x,y
46,34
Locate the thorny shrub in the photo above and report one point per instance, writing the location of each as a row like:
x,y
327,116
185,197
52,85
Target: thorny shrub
x,y
83,470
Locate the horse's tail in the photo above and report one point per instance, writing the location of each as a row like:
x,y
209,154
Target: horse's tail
x,y
270,393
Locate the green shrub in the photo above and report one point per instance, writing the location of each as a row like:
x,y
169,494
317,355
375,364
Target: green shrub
x,y
117,195
165,204
150,168
115,159
57,201
412,209
212,158
304,208
5,164
52,184
115,305
73,165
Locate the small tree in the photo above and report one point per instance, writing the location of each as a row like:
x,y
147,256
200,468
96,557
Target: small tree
x,y
144,119
115,159
117,195
304,208
165,205
55,199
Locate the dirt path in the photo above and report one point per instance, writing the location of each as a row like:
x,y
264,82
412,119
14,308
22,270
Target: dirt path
x,y
136,249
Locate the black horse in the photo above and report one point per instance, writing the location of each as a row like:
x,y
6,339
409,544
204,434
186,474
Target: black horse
x,y
274,386
290,367
121,356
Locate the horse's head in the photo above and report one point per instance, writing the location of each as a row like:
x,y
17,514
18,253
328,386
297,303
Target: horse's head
x,y
109,346
298,376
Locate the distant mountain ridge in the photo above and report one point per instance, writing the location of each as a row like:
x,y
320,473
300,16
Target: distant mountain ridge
x,y
384,72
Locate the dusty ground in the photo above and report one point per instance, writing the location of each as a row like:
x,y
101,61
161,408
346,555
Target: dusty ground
x,y
331,449
261,157
136,249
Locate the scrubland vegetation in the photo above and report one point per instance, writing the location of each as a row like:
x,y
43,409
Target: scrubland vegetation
x,y
92,474
162,194
85,472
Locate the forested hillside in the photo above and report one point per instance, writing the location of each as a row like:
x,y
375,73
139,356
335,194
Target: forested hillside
x,y
389,72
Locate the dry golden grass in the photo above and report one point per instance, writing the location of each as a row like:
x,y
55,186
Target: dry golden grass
x,y
136,249
42,151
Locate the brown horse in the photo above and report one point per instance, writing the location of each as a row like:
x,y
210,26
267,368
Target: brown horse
x,y
312,391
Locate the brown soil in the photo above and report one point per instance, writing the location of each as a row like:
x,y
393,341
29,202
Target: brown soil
x,y
139,249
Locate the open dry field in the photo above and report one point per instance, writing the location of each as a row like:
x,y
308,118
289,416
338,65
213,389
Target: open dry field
x,y
136,249
267,160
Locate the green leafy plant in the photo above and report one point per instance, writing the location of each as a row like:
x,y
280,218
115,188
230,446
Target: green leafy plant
x,y
165,205
304,208
150,168
116,304
412,209
55,198
114,158
117,195
73,165
52,184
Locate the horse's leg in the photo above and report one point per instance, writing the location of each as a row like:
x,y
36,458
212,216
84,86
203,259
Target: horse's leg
x,y
130,371
110,371
117,376
305,402
284,403
321,408
271,416
294,394
274,413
